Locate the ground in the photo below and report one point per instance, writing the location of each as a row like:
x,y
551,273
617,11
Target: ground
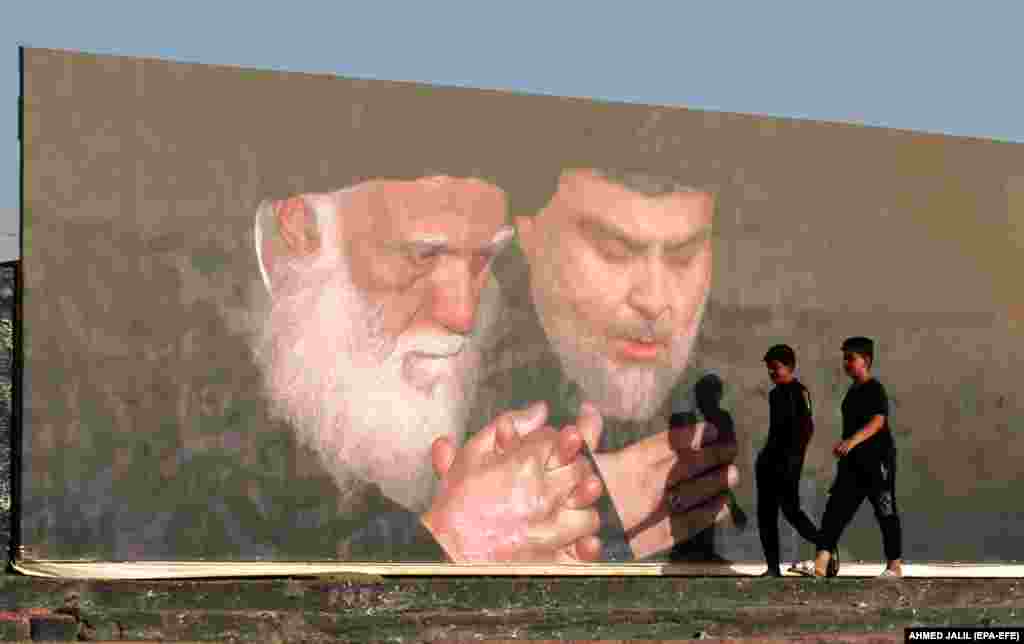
x,y
417,609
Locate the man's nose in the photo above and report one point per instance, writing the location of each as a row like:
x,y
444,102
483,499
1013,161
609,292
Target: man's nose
x,y
454,297
649,290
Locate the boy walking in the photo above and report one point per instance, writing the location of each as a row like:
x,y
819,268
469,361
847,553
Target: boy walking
x,y
867,462
781,461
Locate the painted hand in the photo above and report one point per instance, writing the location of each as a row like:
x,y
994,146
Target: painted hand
x,y
667,487
517,491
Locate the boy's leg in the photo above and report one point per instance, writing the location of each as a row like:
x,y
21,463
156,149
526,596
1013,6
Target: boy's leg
x,y
789,502
882,496
843,503
768,516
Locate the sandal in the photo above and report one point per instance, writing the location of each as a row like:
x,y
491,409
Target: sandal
x,y
805,568
833,564
890,574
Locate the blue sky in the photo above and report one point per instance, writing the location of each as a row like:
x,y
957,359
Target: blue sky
x,y
912,65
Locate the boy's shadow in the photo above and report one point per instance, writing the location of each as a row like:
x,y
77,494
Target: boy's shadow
x,y
708,391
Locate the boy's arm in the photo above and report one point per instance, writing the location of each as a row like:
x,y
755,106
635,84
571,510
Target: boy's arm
x,y
801,424
805,421
874,426
879,404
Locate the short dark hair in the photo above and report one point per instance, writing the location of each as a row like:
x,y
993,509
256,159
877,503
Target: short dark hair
x,y
862,346
642,182
782,353
538,186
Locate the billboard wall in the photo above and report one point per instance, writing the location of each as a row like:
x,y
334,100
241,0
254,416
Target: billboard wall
x,y
253,301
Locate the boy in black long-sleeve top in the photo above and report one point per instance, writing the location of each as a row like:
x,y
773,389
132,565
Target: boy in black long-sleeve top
x,y
780,463
867,461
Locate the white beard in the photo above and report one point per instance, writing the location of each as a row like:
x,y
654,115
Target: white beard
x,y
370,406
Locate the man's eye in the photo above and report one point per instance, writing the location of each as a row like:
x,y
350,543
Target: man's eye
x,y
613,249
422,256
681,257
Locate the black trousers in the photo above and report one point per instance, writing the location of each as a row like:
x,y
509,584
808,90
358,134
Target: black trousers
x,y
863,476
778,488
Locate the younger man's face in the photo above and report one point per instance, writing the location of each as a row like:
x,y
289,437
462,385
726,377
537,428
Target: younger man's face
x,y
854,364
779,372
619,280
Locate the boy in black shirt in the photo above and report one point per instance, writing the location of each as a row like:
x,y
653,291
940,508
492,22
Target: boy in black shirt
x,y
867,462
781,461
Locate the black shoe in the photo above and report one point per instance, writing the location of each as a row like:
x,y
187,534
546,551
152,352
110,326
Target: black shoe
x,y
832,570
772,572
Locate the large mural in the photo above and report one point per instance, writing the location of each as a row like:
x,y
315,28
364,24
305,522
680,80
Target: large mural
x,y
274,316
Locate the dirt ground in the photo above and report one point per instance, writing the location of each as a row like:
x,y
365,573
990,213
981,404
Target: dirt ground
x,y
438,609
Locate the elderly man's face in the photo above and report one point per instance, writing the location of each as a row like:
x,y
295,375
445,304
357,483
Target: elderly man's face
x,y
420,250
619,280
371,343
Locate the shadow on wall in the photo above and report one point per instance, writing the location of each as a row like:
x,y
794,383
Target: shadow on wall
x,y
714,543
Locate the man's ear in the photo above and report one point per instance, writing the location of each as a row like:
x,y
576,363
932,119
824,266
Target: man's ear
x,y
297,225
